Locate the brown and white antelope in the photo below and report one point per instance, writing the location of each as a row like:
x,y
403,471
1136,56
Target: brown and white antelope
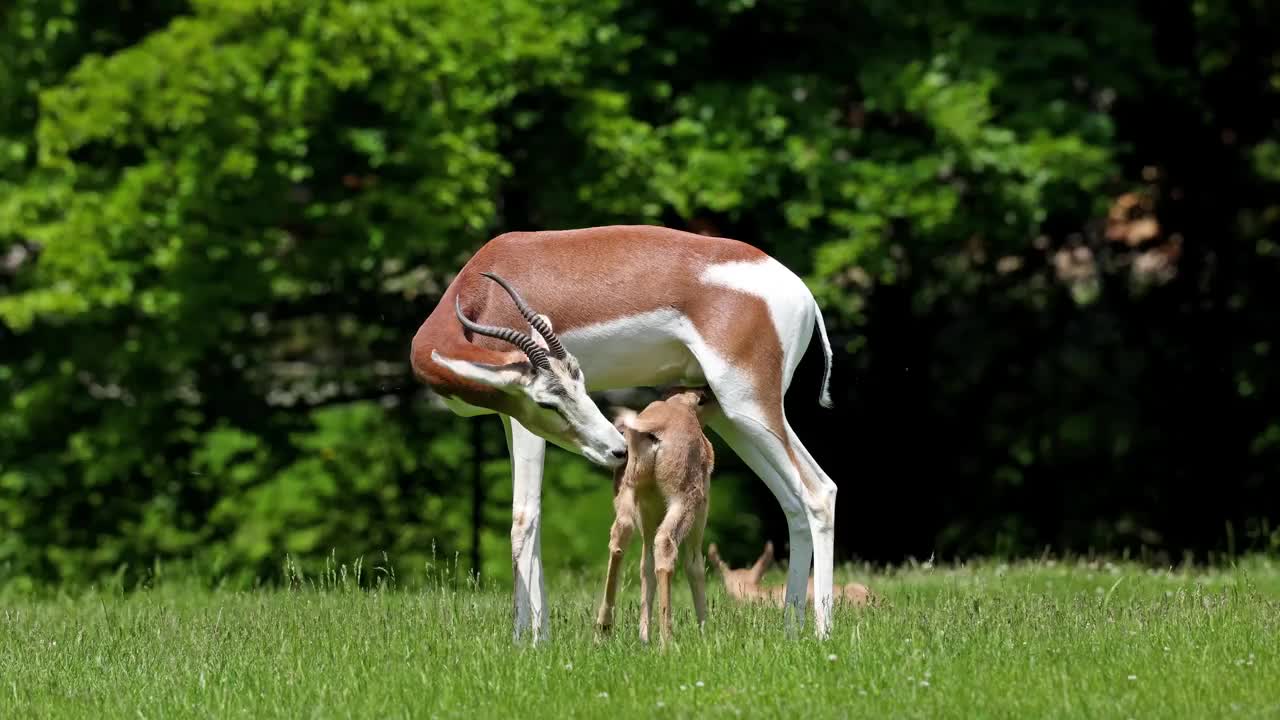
x,y
663,492
633,306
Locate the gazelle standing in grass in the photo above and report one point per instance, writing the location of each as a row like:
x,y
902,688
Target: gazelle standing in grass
x,y
663,492
633,306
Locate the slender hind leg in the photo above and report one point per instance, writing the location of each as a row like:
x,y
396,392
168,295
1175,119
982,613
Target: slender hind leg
x,y
744,445
619,536
527,451
822,503
673,530
648,579
694,568
807,497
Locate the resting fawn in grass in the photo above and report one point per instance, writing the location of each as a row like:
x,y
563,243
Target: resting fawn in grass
x,y
745,584
662,493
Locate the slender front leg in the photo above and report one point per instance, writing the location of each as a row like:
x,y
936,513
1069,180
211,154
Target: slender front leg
x,y
527,452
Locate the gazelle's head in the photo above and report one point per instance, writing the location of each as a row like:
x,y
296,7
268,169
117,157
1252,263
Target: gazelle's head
x,y
546,391
745,582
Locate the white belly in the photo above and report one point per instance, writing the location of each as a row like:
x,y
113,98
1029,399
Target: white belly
x,y
642,350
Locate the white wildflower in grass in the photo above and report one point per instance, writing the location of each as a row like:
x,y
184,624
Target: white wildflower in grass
x,y
684,687
603,694
568,666
661,704
924,683
832,657
699,684
1133,677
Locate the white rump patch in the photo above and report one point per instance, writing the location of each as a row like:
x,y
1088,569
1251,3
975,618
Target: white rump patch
x,y
791,304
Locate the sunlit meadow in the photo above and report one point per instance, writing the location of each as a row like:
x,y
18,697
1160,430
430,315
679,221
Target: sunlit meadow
x,y
1034,640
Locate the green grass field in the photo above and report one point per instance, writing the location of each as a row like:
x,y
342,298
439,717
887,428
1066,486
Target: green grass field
x,y
1027,641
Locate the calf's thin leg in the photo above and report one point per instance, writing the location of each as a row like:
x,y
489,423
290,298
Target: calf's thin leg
x,y
694,568
619,536
648,580
675,526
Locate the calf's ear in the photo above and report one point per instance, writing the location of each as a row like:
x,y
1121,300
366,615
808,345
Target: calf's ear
x,y
623,418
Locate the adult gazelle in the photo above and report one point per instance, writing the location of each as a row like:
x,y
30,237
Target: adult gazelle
x,y
632,306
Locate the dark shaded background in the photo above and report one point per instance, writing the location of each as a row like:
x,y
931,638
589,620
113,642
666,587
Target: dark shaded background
x,y
1044,238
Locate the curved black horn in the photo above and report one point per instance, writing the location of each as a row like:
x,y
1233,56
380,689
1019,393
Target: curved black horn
x,y
553,342
537,354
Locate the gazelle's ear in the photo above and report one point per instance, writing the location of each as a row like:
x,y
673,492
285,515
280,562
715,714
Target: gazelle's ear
x,y
713,554
763,562
496,376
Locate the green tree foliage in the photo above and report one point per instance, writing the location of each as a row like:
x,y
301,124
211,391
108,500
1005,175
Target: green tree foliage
x,y
221,223
239,217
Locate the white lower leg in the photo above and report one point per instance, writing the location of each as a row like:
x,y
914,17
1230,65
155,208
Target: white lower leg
x,y
754,447
798,571
527,452
821,511
530,588
823,568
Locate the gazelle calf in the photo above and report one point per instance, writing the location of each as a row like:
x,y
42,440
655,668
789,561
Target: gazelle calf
x,y
662,491
745,584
